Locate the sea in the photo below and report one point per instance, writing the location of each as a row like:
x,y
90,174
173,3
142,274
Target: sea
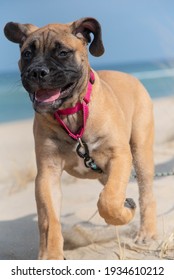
x,y
157,77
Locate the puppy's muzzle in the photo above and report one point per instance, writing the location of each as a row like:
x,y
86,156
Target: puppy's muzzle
x,y
36,76
39,73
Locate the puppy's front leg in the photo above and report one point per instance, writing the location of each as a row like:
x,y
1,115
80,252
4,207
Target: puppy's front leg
x,y
48,194
112,204
48,198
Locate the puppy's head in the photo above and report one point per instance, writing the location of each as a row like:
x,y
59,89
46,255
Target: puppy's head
x,y
54,62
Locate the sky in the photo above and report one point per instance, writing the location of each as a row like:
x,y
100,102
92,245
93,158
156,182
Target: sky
x,y
132,30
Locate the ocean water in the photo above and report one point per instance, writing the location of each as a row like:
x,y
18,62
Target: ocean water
x,y
157,77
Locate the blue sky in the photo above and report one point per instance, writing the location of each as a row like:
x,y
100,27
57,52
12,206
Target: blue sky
x,y
133,30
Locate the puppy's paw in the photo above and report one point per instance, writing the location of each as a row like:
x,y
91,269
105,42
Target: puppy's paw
x,y
115,211
144,237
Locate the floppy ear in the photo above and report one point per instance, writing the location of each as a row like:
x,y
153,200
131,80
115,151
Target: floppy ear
x,y
17,32
82,29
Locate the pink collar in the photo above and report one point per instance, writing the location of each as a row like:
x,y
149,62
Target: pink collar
x,y
78,107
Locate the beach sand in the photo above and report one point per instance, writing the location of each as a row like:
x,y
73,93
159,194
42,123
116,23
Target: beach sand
x,y
86,234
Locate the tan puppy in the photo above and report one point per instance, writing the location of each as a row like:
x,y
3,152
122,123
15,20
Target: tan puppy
x,y
117,120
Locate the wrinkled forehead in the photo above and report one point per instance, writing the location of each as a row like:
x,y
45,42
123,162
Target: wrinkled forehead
x,y
51,36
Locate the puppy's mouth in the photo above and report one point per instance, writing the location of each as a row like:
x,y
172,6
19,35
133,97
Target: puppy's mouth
x,y
51,98
46,95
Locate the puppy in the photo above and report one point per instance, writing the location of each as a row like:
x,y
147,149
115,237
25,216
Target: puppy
x,y
90,124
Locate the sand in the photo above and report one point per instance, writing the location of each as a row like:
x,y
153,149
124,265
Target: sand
x,y
86,234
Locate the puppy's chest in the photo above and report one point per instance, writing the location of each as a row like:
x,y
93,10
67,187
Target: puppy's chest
x,y
84,160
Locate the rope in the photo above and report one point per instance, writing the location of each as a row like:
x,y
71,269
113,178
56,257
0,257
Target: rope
x,y
157,174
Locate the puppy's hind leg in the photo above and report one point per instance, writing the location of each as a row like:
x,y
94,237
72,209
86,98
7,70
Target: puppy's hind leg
x,y
142,151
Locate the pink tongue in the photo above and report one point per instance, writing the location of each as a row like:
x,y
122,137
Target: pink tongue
x,y
47,95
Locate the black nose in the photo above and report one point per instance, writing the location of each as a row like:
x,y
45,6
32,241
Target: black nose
x,y
39,73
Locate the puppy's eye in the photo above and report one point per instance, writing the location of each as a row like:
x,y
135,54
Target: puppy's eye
x,y
27,54
63,53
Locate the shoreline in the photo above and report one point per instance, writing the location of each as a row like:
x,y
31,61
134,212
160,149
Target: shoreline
x,y
162,115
